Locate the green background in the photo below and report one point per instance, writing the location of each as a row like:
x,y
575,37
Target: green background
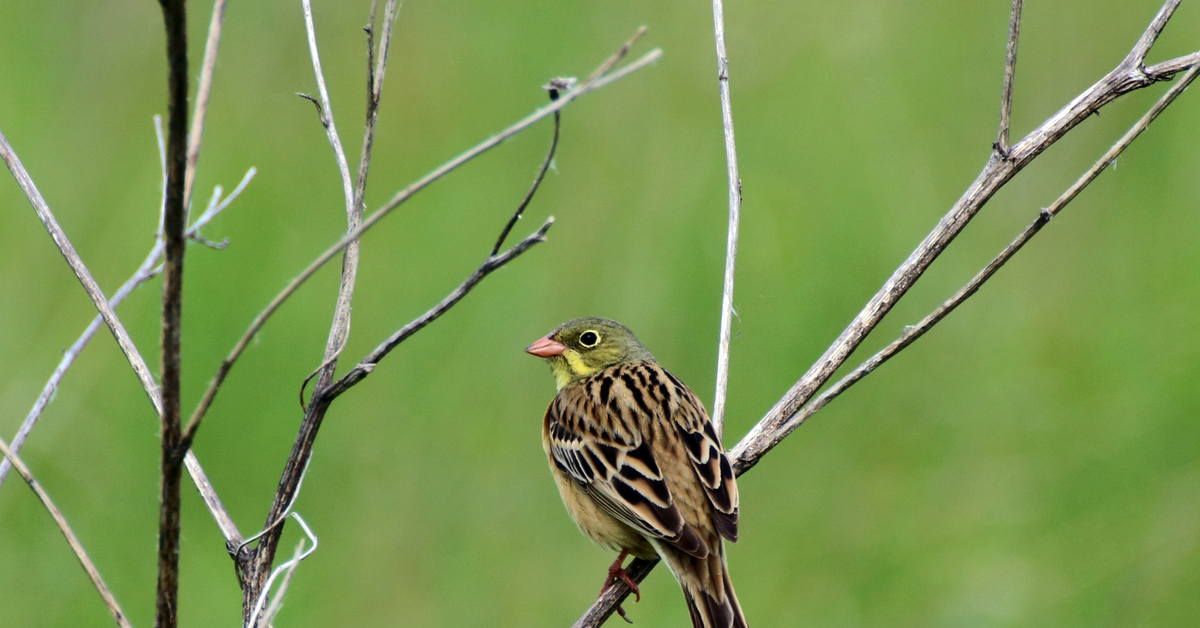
x,y
1031,462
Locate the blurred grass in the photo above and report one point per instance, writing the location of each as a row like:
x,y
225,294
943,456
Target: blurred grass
x,y
1031,463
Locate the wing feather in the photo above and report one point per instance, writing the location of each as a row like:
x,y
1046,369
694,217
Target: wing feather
x,y
707,455
597,445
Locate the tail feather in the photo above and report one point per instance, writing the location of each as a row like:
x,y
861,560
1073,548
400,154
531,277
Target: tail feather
x,y
706,587
739,620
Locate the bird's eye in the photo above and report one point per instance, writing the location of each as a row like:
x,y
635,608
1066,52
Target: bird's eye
x,y
589,338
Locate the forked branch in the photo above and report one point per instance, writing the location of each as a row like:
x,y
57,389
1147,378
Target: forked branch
x,y
787,413
254,565
1130,75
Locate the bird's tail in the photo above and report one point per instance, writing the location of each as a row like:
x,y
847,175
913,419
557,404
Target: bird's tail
x,y
706,588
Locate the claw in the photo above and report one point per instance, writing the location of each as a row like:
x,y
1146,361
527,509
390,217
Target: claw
x,y
617,572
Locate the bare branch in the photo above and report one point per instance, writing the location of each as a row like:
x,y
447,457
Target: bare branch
x,y
216,508
1126,77
1010,69
1137,56
136,361
1167,69
537,181
735,207
255,566
85,277
367,365
396,201
911,334
612,61
780,421
174,224
72,540
325,110
375,75
277,602
615,594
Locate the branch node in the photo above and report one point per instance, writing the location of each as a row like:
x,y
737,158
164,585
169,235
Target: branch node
x,y
1005,153
559,84
316,103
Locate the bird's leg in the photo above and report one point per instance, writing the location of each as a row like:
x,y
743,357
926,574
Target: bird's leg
x,y
616,571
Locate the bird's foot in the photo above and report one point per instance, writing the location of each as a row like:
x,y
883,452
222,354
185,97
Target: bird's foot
x,y
617,572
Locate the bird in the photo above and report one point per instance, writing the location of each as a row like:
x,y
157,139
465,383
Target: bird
x,y
638,464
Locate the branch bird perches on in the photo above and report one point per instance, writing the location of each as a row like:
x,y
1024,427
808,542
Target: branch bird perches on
x,y
799,403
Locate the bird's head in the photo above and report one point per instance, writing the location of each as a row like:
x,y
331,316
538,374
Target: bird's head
x,y
583,346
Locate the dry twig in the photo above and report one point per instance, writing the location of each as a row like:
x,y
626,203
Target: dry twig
x,y
203,92
1010,70
72,540
735,208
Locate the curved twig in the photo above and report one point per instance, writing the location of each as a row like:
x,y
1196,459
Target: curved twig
x,y
735,208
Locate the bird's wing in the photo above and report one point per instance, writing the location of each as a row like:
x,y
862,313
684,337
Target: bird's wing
x,y
706,453
595,436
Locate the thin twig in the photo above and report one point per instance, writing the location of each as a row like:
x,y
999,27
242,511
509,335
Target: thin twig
x,y
735,207
911,334
322,397
1167,69
612,61
494,260
85,276
396,201
203,92
290,568
143,273
537,181
368,364
615,594
277,601
174,224
326,110
1137,56
1010,69
339,329
375,75
72,540
777,424
370,31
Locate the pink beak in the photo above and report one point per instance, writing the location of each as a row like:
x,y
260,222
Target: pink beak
x,y
546,347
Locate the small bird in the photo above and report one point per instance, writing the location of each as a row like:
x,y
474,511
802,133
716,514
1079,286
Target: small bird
x,y
638,464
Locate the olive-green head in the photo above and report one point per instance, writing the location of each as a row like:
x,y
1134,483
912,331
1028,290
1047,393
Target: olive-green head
x,y
583,346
